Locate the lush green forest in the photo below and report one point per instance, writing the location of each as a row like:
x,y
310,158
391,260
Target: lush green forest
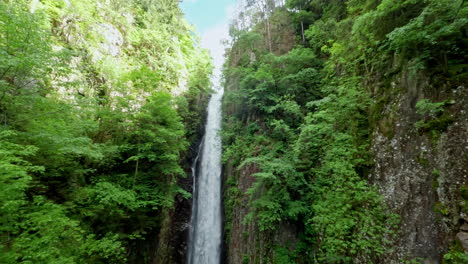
x,y
307,84
99,102
344,131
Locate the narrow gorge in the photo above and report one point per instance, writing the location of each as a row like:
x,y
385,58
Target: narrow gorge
x,y
206,223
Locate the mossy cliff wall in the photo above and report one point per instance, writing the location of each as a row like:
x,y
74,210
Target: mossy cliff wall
x,y
361,120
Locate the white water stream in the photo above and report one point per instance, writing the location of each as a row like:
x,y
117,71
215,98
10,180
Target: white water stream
x,y
206,234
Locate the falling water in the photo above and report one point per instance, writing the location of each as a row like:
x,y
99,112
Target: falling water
x,y
205,237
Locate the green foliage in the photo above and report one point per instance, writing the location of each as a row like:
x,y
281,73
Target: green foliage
x,y
456,255
274,185
51,237
426,107
435,118
15,179
43,232
412,261
158,136
93,125
349,219
233,200
441,209
308,166
282,256
308,161
427,31
25,50
300,122
245,259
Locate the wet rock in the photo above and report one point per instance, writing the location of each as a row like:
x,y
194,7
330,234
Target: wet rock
x,y
463,238
464,227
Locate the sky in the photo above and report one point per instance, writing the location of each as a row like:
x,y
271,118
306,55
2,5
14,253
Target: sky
x,y
211,19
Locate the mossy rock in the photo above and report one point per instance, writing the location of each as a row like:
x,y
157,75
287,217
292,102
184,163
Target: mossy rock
x,y
441,208
464,192
439,124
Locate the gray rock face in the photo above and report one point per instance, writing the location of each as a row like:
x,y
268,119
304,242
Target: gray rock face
x,y
112,37
419,175
463,238
111,41
464,227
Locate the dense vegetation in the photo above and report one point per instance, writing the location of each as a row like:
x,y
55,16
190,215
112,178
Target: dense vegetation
x,y
99,101
301,116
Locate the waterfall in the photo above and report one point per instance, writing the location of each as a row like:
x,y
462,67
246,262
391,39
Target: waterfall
x,y
206,234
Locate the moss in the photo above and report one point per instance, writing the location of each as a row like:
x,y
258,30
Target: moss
x,y
232,200
377,108
435,184
245,259
455,255
386,126
165,248
437,119
245,235
441,208
422,160
464,192
413,261
385,122
435,181
438,125
458,72
464,196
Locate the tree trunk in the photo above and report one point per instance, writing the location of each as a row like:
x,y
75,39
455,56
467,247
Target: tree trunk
x,y
302,32
268,34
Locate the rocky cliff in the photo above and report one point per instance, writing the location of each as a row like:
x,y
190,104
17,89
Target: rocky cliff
x,y
422,170
363,123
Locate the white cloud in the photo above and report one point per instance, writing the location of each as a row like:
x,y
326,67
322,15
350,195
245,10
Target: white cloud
x,y
212,37
211,40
